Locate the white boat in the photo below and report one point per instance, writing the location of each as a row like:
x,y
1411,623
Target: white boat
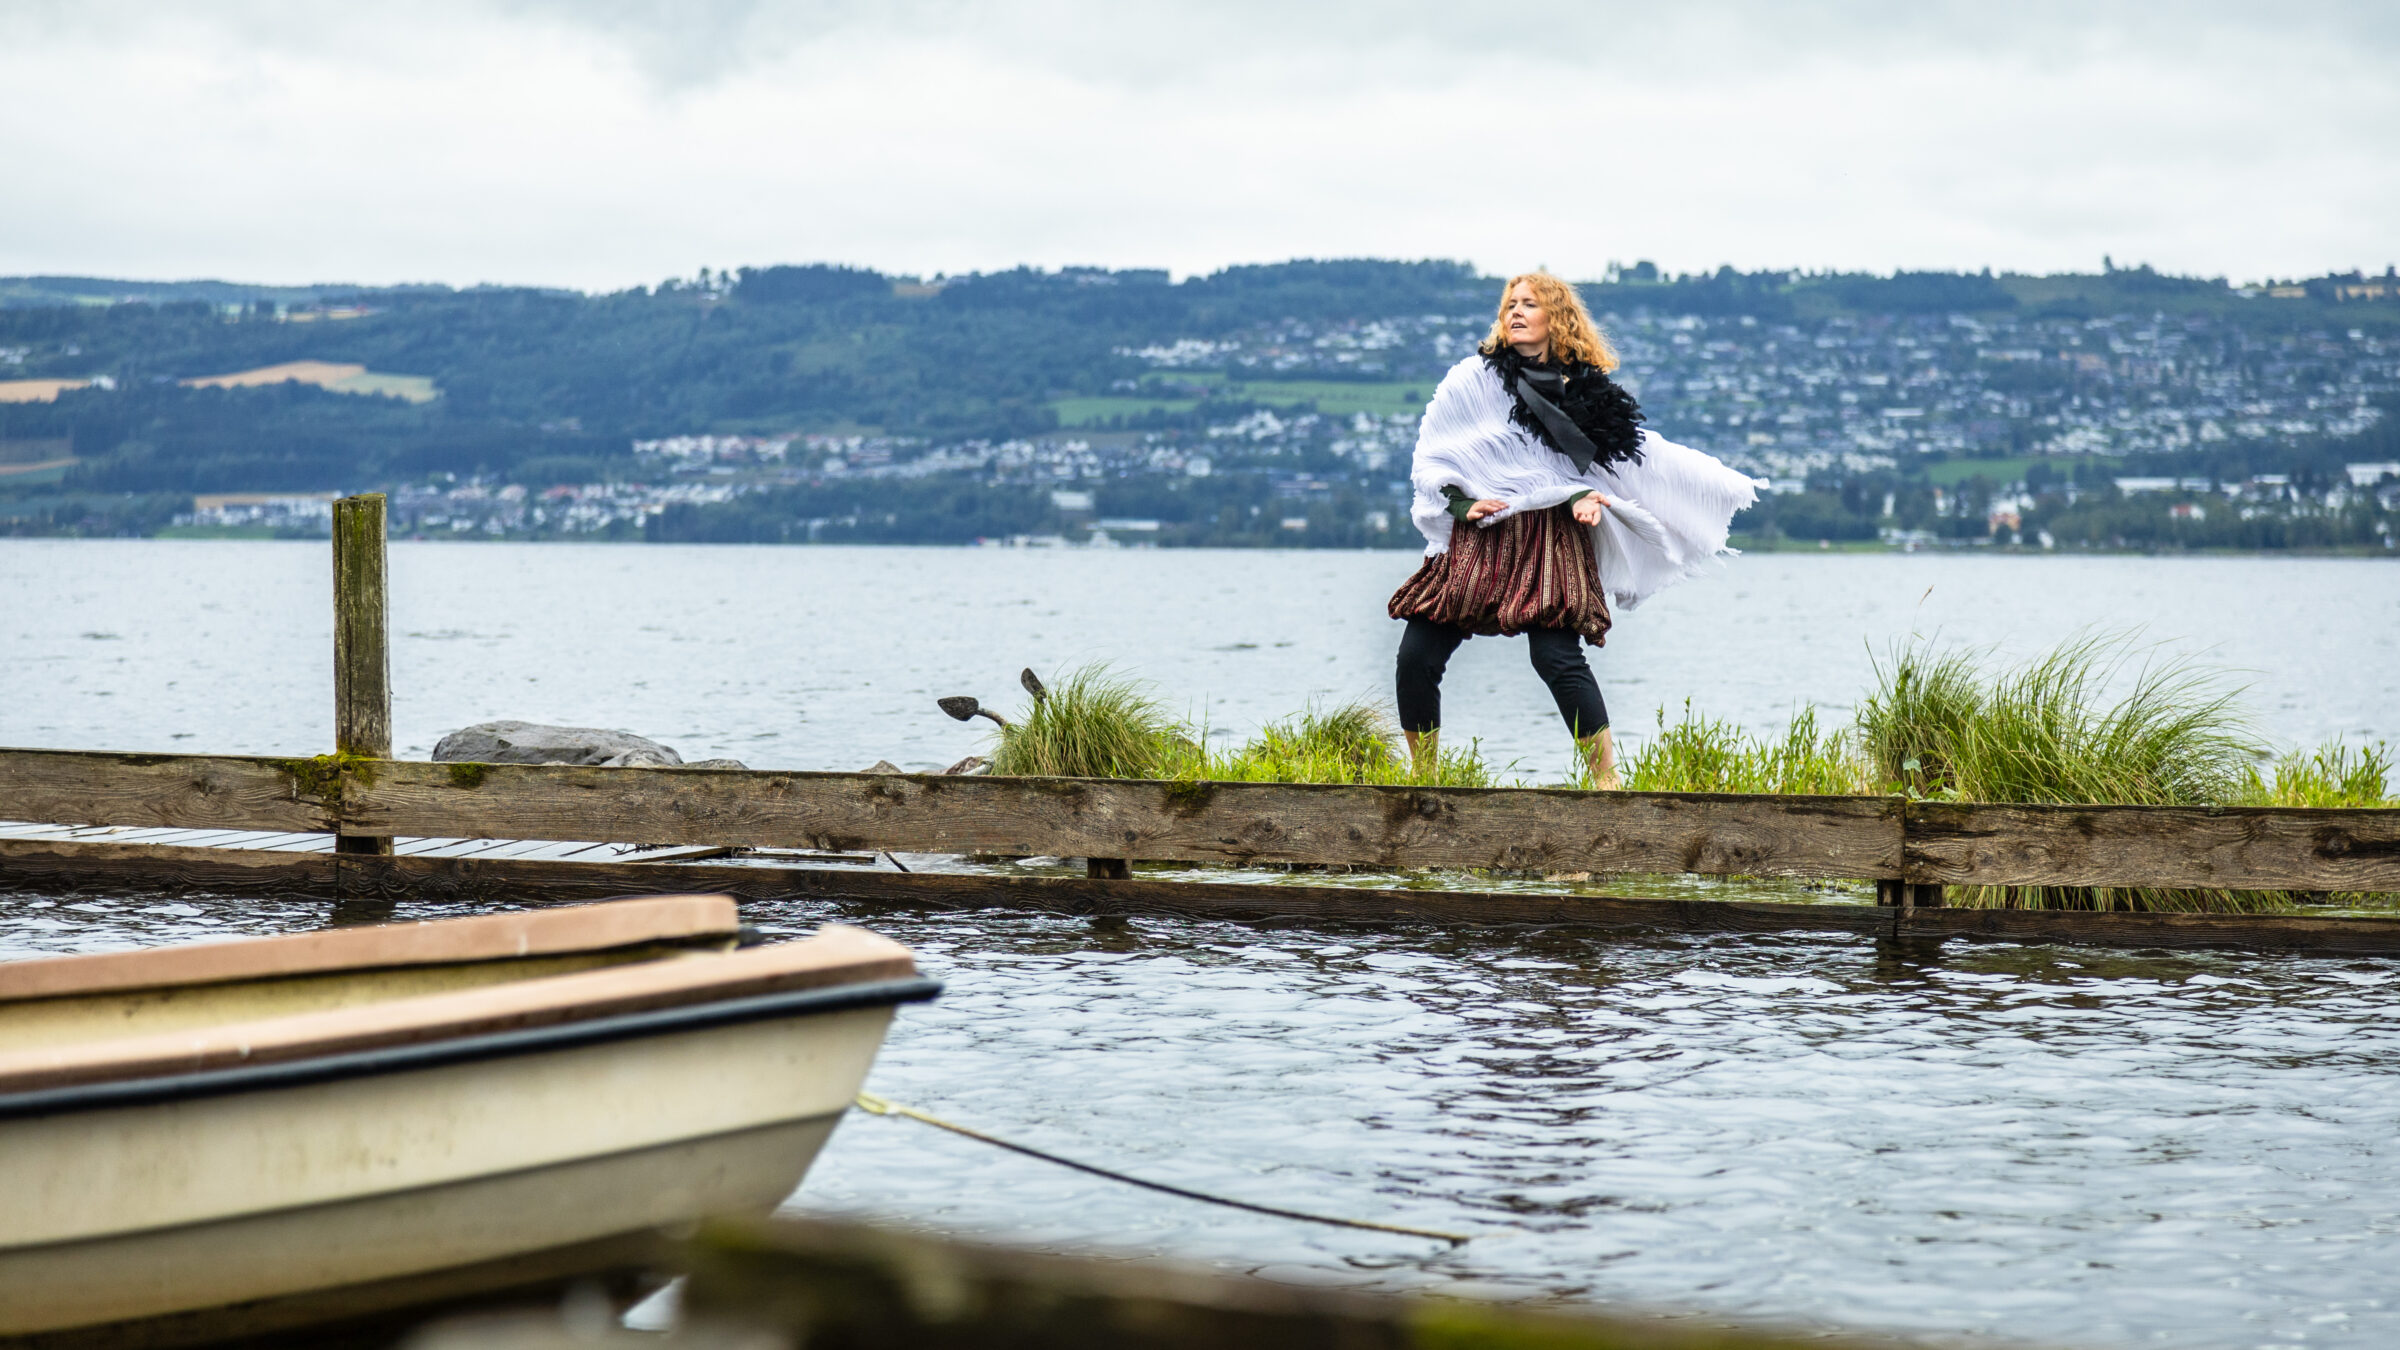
x,y
191,1127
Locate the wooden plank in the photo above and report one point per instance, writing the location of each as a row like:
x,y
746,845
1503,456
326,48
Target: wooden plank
x,y
2234,848
815,1283
65,865
68,865
1233,823
27,863
196,791
2314,935
1227,823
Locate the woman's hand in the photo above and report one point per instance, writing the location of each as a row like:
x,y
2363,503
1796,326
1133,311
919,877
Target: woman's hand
x,y
1485,507
1587,508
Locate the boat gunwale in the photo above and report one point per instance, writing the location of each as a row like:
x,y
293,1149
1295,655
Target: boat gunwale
x,y
112,1094
835,954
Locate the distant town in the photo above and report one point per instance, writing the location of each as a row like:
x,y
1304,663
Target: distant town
x,y
2124,411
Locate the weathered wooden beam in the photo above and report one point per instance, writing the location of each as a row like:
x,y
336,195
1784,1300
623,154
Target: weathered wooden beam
x,y
1922,844
2233,848
2304,934
84,787
68,865
362,664
816,1283
1231,823
61,866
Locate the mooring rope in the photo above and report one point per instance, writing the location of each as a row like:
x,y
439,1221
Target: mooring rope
x,y
869,1102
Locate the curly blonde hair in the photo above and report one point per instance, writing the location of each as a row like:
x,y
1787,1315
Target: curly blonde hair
x,y
1573,335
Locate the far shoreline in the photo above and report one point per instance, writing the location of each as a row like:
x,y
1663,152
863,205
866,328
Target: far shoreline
x,y
1743,546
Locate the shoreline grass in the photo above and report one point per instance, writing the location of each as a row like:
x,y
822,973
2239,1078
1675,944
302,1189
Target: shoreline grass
x,y
2096,720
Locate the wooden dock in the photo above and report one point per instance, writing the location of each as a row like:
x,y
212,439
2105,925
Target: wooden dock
x,y
358,825
524,834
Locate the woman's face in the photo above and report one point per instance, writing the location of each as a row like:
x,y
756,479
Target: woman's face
x,y
1528,328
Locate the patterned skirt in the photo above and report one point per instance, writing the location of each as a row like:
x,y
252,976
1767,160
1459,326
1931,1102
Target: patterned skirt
x,y
1534,570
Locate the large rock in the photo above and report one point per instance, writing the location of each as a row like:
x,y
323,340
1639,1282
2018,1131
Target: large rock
x,y
533,743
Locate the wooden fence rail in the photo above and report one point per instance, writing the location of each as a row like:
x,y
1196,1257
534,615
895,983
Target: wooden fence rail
x,y
1834,838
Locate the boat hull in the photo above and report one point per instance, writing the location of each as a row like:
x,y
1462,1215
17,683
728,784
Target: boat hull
x,y
201,1197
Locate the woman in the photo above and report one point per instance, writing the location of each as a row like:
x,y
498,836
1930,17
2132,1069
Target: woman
x,y
1540,496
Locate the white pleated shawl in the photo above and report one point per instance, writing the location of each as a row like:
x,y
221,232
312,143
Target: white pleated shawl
x,y
1666,518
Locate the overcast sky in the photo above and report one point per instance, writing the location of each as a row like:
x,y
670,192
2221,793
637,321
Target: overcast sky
x,y
607,143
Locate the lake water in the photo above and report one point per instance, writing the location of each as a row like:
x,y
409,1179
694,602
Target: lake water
x,y
2055,1145
830,658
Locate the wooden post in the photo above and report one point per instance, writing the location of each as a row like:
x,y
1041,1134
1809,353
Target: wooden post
x,y
362,668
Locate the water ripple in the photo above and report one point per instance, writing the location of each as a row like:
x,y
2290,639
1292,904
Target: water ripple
x,y
2055,1145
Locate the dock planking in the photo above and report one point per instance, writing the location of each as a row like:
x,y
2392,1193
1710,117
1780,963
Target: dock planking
x,y
69,864
1808,838
1221,823
2231,847
529,834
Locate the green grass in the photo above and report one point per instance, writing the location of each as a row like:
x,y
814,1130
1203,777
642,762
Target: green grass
x,y
1707,755
1093,724
1938,726
1096,411
1997,472
1353,743
1339,397
2099,719
2330,776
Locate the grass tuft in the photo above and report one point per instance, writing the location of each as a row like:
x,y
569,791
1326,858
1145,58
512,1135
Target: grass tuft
x,y
2098,720
2045,731
1702,754
1094,724
2333,775
1352,743
1937,728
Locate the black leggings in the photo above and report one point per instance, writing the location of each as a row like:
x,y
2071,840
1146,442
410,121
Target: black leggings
x,y
1557,657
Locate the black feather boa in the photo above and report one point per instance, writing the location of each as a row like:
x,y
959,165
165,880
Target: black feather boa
x,y
1598,406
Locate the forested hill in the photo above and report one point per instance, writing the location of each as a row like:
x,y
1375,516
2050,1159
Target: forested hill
x,y
526,373
111,387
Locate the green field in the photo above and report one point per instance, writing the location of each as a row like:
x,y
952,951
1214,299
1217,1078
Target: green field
x,y
1085,412
1340,397
231,532
1952,472
54,471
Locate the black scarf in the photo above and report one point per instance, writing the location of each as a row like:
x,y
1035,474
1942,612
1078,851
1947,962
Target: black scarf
x,y
1573,408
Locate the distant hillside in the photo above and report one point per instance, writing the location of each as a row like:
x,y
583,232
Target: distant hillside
x,y
552,386
40,292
